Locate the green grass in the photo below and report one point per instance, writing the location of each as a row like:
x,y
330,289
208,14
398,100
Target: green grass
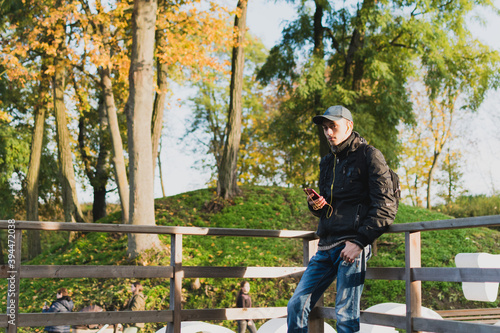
x,y
258,208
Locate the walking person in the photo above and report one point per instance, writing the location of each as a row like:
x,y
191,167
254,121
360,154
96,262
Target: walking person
x,y
136,303
244,300
63,303
355,205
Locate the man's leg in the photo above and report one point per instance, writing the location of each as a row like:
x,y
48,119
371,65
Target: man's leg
x,y
319,274
350,281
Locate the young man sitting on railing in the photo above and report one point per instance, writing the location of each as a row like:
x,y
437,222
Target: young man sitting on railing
x,y
355,206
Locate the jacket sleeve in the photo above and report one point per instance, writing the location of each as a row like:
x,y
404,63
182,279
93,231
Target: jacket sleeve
x,y
382,203
316,213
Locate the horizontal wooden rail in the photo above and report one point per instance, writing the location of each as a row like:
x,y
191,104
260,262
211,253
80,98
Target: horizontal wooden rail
x,y
242,272
178,271
233,314
366,317
452,274
385,273
437,325
467,222
90,271
485,316
422,324
443,274
86,318
165,230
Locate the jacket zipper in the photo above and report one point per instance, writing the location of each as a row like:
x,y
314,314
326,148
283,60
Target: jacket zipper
x,y
330,207
356,220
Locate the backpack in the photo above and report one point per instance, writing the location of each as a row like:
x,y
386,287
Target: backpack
x,y
396,185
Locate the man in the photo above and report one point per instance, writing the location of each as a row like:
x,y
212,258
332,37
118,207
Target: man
x,y
355,206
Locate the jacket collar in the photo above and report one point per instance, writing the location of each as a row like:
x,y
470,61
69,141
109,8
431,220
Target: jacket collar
x,y
350,144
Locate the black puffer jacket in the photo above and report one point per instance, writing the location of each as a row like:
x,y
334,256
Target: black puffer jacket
x,y
363,200
63,304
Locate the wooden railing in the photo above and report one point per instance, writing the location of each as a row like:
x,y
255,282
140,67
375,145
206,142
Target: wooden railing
x,y
412,273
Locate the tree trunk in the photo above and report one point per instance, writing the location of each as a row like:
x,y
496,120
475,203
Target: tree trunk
x,y
139,116
72,211
429,178
101,174
116,139
34,244
228,187
319,55
159,109
160,171
97,174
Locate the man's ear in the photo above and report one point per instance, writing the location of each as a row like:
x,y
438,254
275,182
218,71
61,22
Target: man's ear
x,y
350,125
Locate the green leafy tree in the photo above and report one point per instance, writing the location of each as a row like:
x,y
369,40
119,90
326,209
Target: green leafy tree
x,y
371,48
450,178
257,161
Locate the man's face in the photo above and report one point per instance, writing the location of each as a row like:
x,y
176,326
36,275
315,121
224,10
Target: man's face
x,y
337,131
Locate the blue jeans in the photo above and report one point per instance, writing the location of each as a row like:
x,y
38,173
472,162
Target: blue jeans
x,y
322,270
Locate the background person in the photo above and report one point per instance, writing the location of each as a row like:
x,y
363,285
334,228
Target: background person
x,y
136,303
63,303
245,301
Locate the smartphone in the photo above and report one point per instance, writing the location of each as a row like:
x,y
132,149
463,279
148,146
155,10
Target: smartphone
x,y
310,191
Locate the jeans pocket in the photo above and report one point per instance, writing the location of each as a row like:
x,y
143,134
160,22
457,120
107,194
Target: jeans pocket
x,y
320,256
356,262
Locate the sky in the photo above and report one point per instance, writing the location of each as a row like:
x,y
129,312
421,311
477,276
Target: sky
x,y
265,19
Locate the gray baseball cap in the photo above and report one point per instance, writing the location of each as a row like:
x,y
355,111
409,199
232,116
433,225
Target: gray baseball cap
x,y
333,113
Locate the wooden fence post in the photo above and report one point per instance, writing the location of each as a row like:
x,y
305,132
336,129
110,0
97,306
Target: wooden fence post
x,y
176,283
413,288
14,265
316,324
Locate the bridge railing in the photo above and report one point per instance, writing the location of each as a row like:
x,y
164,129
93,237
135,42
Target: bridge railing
x,y
412,274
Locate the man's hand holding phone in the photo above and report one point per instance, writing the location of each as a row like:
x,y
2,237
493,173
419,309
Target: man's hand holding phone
x,y
314,199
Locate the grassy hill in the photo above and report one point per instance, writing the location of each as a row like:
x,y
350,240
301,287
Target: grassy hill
x,y
258,208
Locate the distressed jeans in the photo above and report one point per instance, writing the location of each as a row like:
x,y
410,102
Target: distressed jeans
x,y
322,270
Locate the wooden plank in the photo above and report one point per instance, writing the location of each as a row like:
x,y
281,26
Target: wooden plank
x,y
101,271
3,320
436,325
470,222
85,318
467,222
475,318
146,229
88,271
383,319
366,317
176,284
385,273
233,314
413,288
452,274
242,272
465,312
